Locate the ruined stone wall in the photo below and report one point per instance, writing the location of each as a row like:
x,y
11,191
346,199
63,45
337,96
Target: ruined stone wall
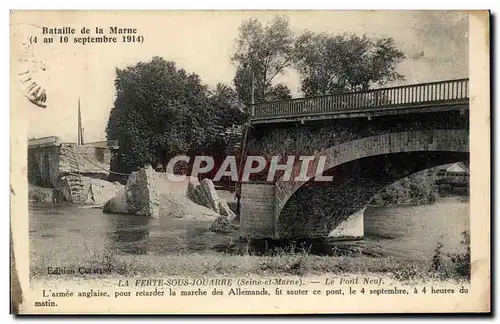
x,y
43,166
93,160
46,164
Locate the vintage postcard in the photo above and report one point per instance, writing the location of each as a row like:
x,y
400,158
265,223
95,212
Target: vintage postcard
x,y
250,162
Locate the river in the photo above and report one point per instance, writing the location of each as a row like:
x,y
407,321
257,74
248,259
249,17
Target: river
x,y
70,231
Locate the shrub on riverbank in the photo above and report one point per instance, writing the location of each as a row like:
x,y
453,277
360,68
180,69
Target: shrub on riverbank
x,y
39,194
455,265
418,188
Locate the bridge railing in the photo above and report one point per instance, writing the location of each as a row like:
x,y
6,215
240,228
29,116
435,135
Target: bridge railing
x,y
409,95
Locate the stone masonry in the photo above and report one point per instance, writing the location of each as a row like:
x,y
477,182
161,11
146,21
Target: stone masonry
x,y
257,210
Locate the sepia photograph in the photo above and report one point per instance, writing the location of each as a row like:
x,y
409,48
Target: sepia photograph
x,y
307,156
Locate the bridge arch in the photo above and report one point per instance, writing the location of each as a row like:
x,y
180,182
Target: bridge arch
x,y
361,168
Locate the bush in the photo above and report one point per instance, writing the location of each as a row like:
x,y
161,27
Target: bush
x,y
461,262
37,194
418,188
452,265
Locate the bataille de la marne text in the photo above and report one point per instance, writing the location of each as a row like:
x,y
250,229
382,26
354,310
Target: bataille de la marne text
x,y
84,30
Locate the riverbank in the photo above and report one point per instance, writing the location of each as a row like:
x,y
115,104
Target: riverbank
x,y
71,237
104,263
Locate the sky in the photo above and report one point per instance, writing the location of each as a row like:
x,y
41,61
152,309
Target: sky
x,y
435,43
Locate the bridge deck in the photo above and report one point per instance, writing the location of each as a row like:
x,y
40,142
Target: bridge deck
x,y
445,95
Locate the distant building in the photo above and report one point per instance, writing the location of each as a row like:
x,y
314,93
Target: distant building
x,y
452,171
453,179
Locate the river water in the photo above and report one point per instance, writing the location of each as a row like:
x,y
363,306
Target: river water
x,y
70,231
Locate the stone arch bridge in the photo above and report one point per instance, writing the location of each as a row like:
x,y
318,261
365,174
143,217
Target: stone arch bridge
x,y
369,139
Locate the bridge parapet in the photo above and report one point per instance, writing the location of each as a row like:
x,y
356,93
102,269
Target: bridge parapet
x,y
410,96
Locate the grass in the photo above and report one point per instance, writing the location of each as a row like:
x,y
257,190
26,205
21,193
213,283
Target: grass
x,y
280,263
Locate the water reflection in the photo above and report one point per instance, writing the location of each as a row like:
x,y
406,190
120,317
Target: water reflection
x,y
129,233
411,231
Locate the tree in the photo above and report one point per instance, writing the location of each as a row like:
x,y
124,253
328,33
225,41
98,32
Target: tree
x,y
228,108
160,111
228,112
330,64
279,92
262,53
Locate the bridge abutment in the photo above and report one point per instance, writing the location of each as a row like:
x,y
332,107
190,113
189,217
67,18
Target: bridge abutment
x,y
350,229
257,210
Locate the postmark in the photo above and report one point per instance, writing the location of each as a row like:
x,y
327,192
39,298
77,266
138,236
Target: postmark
x,y
31,68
